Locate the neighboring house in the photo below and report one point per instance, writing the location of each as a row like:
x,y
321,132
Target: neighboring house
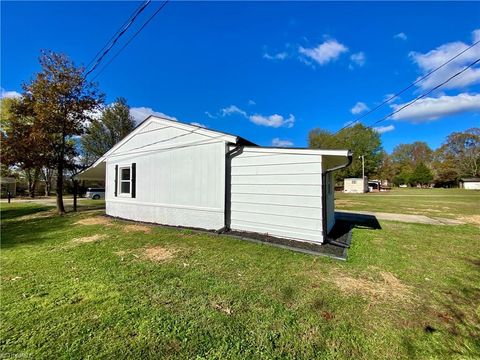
x,y
8,184
172,173
470,183
355,185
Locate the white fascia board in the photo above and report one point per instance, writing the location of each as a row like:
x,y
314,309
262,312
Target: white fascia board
x,y
259,149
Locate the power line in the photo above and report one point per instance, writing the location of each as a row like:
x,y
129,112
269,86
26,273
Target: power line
x,y
425,94
408,87
166,149
131,39
111,43
113,36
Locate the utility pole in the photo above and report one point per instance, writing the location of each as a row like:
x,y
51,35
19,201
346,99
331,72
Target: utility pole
x,y
363,165
363,171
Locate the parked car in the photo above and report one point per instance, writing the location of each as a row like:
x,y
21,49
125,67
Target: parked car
x,y
95,193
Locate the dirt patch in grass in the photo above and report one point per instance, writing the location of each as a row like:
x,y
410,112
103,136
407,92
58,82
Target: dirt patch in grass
x,y
89,239
38,215
223,308
96,220
385,288
158,253
474,219
137,228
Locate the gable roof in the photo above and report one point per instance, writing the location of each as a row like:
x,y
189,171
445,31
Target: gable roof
x,y
229,138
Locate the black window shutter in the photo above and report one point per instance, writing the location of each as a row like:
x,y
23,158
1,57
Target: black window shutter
x,y
134,179
116,179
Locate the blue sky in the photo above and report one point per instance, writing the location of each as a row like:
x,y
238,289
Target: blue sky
x,y
269,72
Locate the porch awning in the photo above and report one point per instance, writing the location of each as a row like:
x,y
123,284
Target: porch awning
x,y
95,172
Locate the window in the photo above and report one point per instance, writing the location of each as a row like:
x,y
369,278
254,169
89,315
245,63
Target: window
x,y
125,180
354,182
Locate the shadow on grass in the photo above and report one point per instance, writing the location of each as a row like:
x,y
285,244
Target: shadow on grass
x,y
9,212
359,220
32,230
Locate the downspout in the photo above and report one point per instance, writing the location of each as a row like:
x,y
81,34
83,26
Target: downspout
x,y
229,155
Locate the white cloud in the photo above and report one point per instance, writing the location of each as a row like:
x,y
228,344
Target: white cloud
x,y
359,108
251,102
9,94
429,109
198,124
384,129
141,113
274,120
358,58
324,53
281,143
401,36
476,35
278,56
232,109
210,115
436,57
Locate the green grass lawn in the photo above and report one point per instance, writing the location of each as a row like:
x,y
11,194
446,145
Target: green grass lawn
x,y
448,203
84,286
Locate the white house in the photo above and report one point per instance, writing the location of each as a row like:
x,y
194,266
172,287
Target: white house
x,y
355,185
172,173
470,183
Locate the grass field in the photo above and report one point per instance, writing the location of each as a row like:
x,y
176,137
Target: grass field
x,y
449,203
85,286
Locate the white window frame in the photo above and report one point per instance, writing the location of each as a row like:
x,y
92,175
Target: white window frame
x,y
120,181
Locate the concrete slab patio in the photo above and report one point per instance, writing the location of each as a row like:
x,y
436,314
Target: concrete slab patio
x,y
348,215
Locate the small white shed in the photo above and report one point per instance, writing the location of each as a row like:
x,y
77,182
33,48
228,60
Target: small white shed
x,y
172,173
355,185
470,183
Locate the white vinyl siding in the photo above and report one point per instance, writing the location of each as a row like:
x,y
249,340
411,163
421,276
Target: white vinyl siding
x,y
471,185
279,194
175,184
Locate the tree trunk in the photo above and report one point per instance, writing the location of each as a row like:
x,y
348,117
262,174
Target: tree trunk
x,y
48,188
30,183
32,178
75,190
47,177
59,189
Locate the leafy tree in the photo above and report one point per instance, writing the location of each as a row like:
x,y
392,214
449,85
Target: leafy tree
x,y
360,139
18,140
386,169
462,149
60,101
114,124
410,155
323,139
421,175
402,178
446,171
